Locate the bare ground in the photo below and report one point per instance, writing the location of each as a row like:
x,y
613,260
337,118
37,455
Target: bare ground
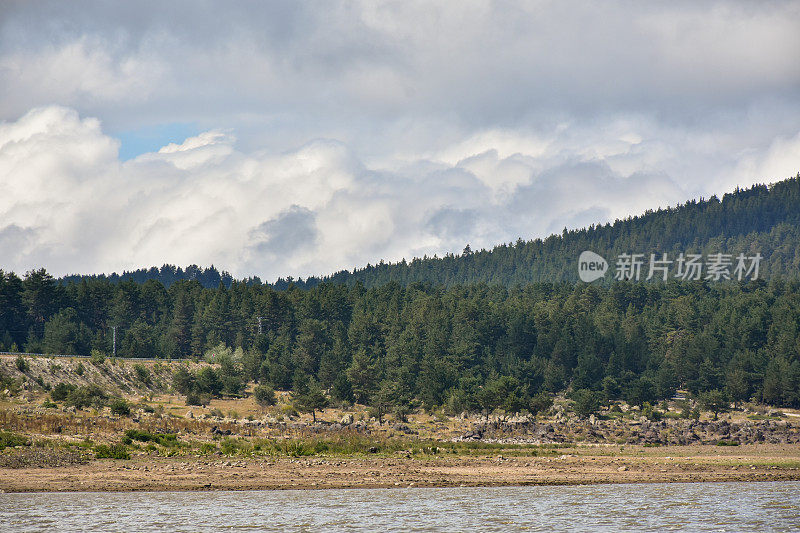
x,y
584,465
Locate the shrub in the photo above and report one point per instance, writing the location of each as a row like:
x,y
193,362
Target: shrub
x,y
183,381
208,448
264,395
146,407
120,407
79,369
142,374
61,391
22,364
97,358
540,403
164,439
89,396
194,398
8,439
587,402
208,381
650,412
115,451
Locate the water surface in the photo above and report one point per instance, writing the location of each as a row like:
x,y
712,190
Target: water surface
x,y
636,507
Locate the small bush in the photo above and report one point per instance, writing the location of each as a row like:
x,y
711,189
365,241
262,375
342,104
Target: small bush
x,y
194,398
61,391
115,451
288,410
120,407
723,442
540,403
89,396
147,408
8,439
208,448
142,374
97,358
264,395
79,369
231,446
22,364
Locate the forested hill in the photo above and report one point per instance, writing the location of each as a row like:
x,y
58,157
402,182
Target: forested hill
x,y
764,219
209,277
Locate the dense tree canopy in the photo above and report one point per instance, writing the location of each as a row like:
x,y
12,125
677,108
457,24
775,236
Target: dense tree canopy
x,y
465,347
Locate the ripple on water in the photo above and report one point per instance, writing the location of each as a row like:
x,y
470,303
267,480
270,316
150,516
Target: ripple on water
x,y
641,507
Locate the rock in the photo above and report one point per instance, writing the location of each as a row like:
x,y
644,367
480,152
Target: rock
x,y
347,419
622,468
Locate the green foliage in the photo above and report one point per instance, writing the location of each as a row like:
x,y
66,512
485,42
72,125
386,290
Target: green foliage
x,y
86,396
164,439
120,407
183,381
587,402
9,440
714,400
196,398
114,451
484,331
97,358
264,395
651,413
22,364
540,403
208,381
61,391
142,373
310,399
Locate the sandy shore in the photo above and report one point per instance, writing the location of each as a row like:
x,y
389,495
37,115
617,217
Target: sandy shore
x,y
582,466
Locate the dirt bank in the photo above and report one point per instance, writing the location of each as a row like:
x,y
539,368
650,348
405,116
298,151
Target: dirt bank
x,y
580,465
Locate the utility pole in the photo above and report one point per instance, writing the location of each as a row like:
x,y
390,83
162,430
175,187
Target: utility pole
x,y
114,329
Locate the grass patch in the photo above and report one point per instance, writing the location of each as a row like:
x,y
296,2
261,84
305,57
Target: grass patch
x,y
114,451
349,444
763,417
10,440
164,439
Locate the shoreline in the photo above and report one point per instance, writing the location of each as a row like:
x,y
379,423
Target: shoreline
x,y
582,467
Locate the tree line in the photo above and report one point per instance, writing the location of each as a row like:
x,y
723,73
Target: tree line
x,y
471,347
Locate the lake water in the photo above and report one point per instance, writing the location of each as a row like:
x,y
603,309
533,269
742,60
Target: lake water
x,y
641,507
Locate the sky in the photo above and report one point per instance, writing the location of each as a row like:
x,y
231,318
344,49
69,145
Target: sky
x,y
301,138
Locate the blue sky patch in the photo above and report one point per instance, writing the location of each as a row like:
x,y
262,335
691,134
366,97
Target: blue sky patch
x,y
152,138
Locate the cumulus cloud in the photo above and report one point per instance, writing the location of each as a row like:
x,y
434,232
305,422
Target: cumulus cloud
x,y
339,133
69,204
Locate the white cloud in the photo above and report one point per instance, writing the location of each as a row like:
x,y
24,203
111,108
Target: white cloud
x,y
339,133
69,204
